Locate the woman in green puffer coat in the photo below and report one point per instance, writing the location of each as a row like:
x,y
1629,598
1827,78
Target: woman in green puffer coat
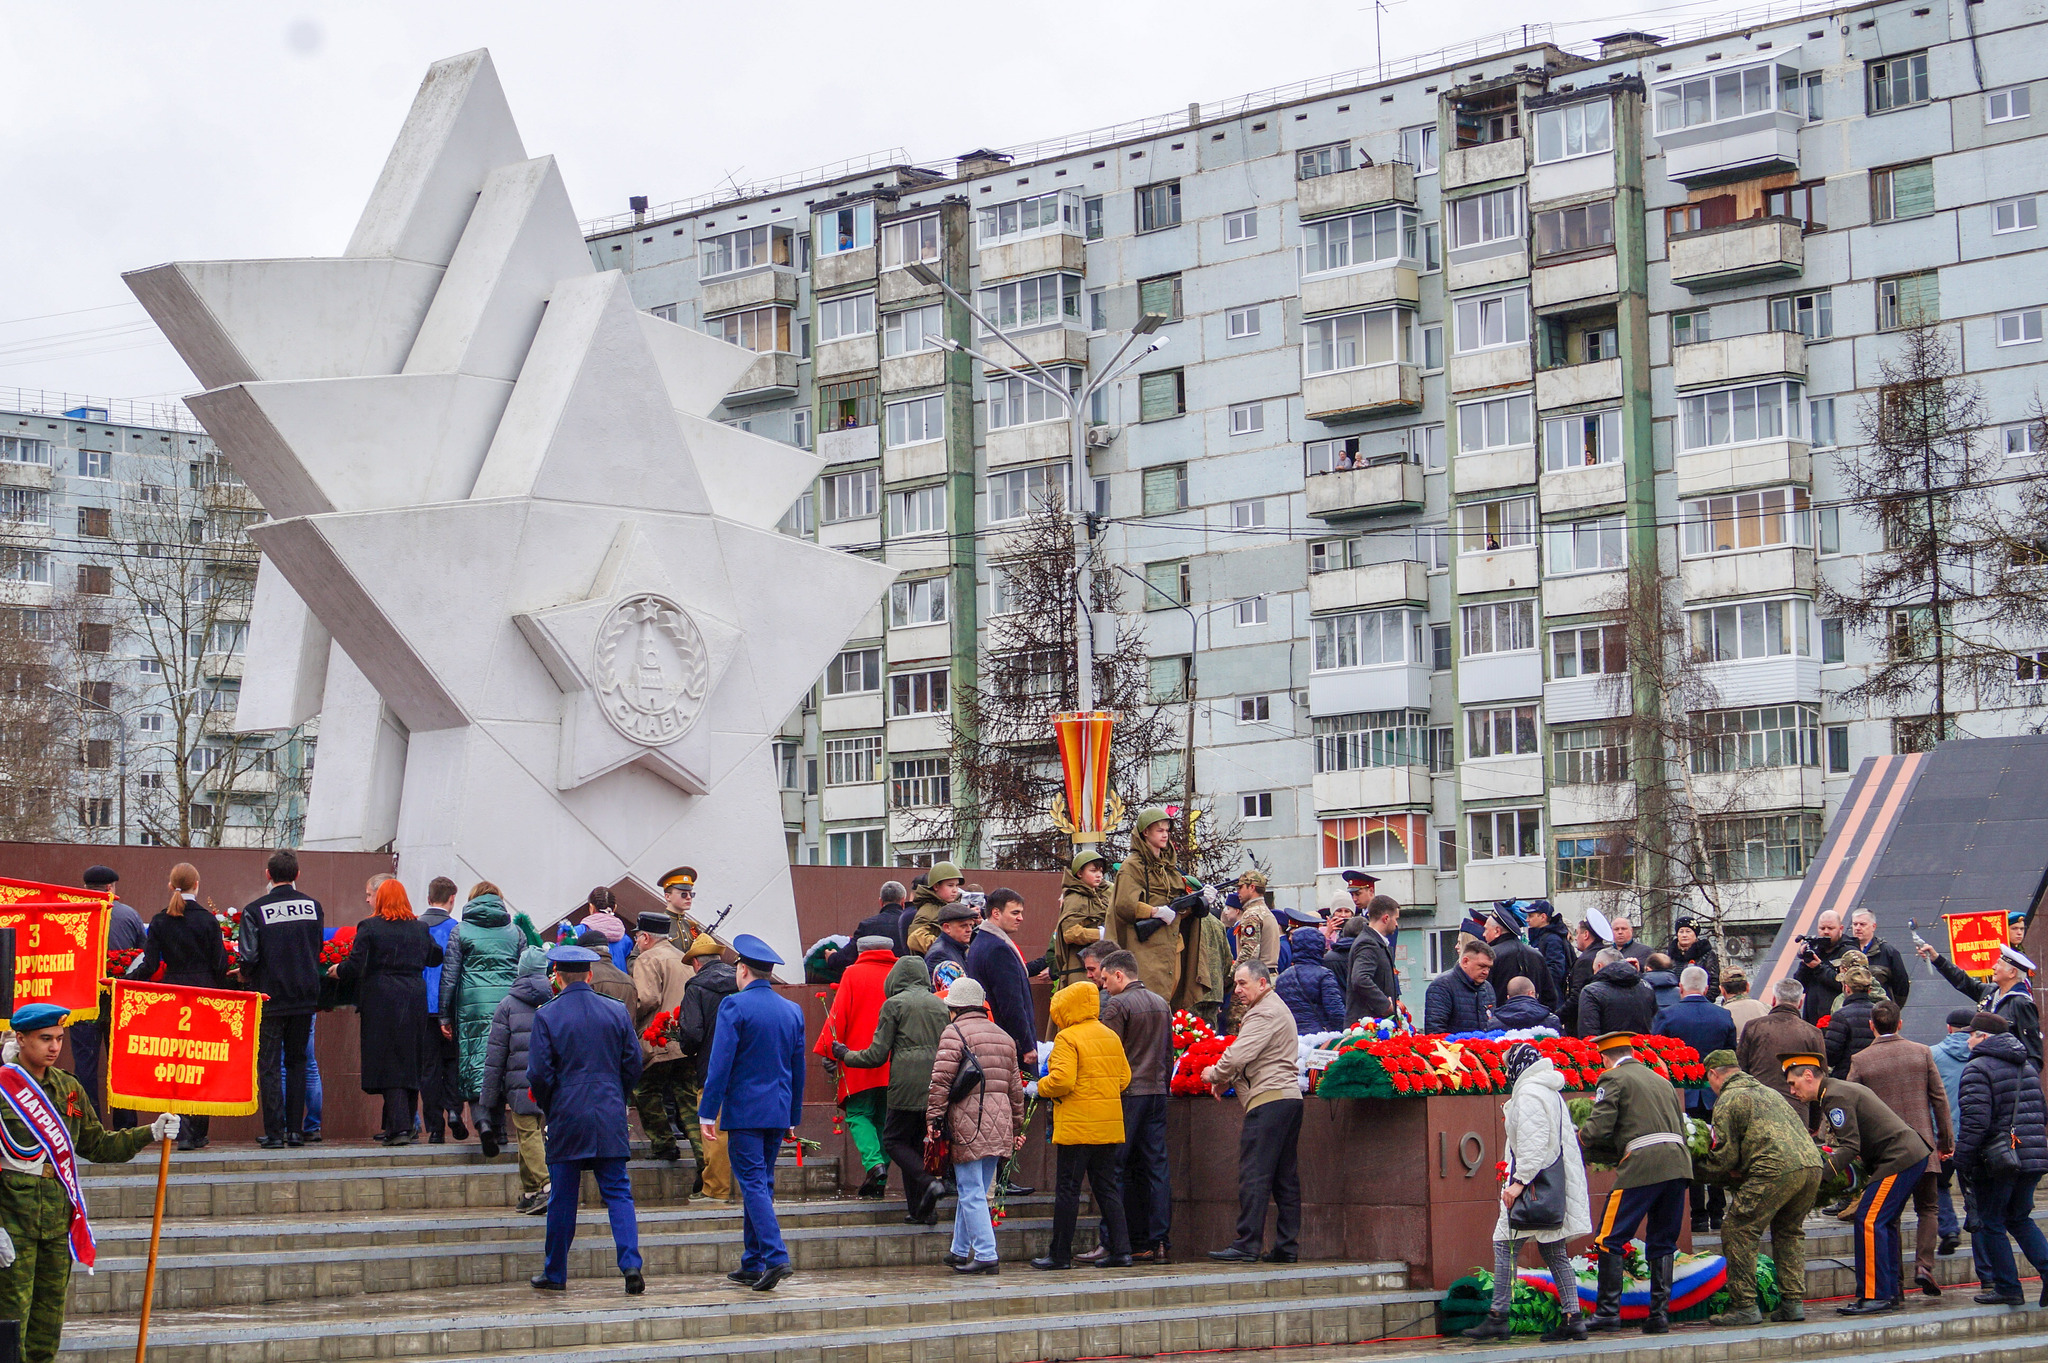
x,y
483,960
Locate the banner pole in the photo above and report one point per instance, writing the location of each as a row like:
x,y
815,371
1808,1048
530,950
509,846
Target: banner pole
x,y
156,1230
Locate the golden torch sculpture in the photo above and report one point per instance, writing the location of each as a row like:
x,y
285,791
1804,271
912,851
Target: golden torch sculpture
x,y
1089,807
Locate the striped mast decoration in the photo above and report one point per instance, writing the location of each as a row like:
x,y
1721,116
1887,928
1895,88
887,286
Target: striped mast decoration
x,y
1084,763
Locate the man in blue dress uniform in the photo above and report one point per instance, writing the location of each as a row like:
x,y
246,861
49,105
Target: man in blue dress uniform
x,y
754,1093
582,1065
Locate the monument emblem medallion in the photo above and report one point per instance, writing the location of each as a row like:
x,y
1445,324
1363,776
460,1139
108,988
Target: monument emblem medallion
x,y
653,669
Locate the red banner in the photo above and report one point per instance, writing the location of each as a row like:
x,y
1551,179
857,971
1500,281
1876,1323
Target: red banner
x,y
1974,940
60,952
12,891
174,1048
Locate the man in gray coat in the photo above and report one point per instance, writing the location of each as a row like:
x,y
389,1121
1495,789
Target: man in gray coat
x,y
1372,986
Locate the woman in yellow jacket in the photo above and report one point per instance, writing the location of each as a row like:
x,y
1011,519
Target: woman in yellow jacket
x,y
1085,1080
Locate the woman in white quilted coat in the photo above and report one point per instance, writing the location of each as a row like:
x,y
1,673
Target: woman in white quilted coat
x,y
1539,1130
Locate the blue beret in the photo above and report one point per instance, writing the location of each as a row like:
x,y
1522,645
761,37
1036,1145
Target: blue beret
x,y
752,949
37,1016
570,954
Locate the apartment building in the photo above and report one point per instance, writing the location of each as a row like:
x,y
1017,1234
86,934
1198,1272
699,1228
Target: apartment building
x,y
1452,346
126,576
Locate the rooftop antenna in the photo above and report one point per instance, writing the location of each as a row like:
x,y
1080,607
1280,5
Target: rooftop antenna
x,y
1380,7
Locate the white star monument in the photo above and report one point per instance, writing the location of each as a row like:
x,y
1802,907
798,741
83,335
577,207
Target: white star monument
x,y
533,593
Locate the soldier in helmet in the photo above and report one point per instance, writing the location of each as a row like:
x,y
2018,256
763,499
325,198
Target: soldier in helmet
x,y
1154,917
1638,1126
1760,1150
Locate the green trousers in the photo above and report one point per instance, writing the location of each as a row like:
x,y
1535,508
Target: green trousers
x,y
32,1290
1779,1206
688,1095
661,1084
866,1111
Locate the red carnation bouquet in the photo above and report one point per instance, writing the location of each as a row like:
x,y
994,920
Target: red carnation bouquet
x,y
118,961
661,1028
1369,1066
1198,1056
335,949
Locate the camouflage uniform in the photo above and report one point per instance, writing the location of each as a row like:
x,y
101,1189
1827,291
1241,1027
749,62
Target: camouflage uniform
x,y
36,1213
1760,1148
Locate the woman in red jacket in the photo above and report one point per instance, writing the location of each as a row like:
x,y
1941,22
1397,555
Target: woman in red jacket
x,y
863,1094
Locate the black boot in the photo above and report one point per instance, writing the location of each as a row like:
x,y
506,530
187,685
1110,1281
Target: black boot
x,y
1495,1326
1607,1310
1658,1322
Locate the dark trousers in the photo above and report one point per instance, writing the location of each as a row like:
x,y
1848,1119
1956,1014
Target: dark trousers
x,y
565,1193
398,1105
1266,1170
192,1134
903,1139
441,1082
1141,1170
1658,1207
88,1053
281,1062
753,1152
1875,1228
2006,1209
1709,1201
1098,1163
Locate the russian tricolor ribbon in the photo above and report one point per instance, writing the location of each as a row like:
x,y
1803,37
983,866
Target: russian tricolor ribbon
x,y
52,1141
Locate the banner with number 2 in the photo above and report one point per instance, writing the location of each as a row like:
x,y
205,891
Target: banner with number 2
x,y
174,1048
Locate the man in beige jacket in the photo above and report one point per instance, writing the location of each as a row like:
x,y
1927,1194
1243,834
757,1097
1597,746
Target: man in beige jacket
x,y
659,977
1261,1064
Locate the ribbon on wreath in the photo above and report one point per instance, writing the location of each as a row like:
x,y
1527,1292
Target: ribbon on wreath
x,y
51,1140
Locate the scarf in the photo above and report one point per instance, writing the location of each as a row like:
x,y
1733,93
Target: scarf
x,y
1520,1057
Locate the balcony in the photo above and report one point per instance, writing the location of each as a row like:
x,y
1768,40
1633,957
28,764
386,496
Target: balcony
x,y
1782,568
1764,681
1494,470
1047,345
1765,463
1384,388
1501,778
1404,686
41,594
749,291
1501,676
907,463
1365,187
1579,385
1502,367
1613,802
1500,571
1738,359
924,369
1757,789
1739,253
1041,254
1489,161
1375,584
919,733
1582,488
1463,271
1584,593
864,802
24,475
244,782
1509,878
793,808
1763,143
1389,283
838,359
838,713
1378,490
1576,281
915,643
1040,442
1412,887
1581,700
770,376
1369,789
223,495
852,445
230,552
847,267
896,286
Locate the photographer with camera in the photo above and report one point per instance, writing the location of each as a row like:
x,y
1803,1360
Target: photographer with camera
x,y
1818,957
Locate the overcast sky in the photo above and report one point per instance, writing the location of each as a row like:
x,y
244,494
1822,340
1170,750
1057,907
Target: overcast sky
x,y
140,132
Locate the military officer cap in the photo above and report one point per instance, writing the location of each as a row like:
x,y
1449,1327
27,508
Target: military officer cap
x,y
957,912
1792,1060
654,921
1597,924
1086,857
99,877
1360,878
1723,1059
1474,926
36,1016
571,957
755,952
681,875
2017,958
1615,1041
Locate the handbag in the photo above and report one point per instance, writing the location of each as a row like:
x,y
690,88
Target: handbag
x,y
1541,1205
969,1076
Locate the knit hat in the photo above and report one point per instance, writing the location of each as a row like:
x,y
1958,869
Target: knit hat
x,y
1308,944
1989,1023
533,961
966,992
1518,1059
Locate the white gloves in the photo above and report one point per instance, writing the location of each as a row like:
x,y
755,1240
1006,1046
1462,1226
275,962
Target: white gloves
x,y
1165,915
1031,1089
6,1250
1213,897
165,1127
10,1049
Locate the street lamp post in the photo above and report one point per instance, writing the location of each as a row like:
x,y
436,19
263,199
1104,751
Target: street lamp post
x,y
121,734
1075,404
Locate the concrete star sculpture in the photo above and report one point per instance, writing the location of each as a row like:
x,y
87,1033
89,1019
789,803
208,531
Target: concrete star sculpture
x,y
534,593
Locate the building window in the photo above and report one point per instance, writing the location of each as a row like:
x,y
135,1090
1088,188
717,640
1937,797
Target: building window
x,y
1581,441
911,242
1329,556
919,511
1908,300
1016,493
917,421
95,463
1042,301
1805,204
921,601
1589,546
1159,206
1433,348
1160,297
1167,585
843,317
1500,319
1835,742
1820,421
855,847
1059,211
1254,709
917,693
1167,683
1241,226
95,580
1770,847
1813,82
1488,527
96,813
854,672
20,449
1249,418
1376,738
1375,841
1256,808
1812,315
1897,82
1506,731
906,333
1098,310
1426,446
1743,521
853,761
1485,218
1498,627
1504,834
1771,736
1364,639
1357,340
1690,328
1162,396
149,723
2018,328
1251,610
1014,402
2004,106
93,521
1418,148
94,637
1712,98
800,428
1316,162
1902,191
1583,227
789,765
1247,515
26,506
1751,630
848,496
1594,863
1589,755
1241,322
920,782
761,330
2015,215
752,248
1739,416
1091,218
1381,237
2023,438
840,230
844,406
1575,130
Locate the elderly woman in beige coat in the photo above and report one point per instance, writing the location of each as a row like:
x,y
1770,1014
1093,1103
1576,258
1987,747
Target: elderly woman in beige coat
x,y
985,1126
1540,1134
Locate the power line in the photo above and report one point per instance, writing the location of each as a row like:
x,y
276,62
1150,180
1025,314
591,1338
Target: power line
x,y
69,312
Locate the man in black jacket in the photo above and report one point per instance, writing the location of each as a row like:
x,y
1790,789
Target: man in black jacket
x,y
1817,965
2007,993
696,1025
995,962
1886,964
1372,984
1589,944
886,921
278,949
1618,999
1515,959
1547,935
